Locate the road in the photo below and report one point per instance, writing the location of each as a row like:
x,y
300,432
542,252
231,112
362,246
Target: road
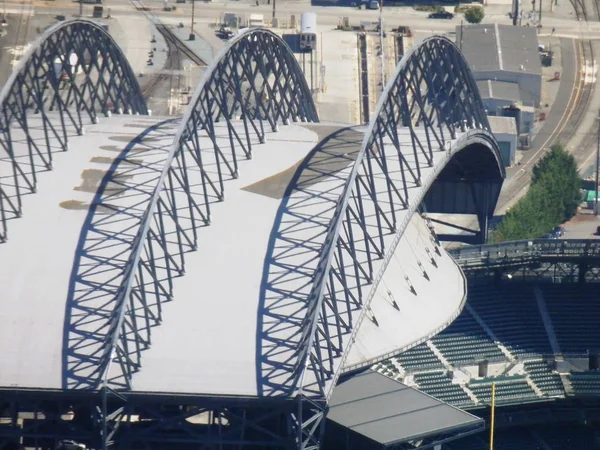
x,y
328,16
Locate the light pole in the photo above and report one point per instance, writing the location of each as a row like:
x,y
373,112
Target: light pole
x,y
382,43
192,35
274,3
596,210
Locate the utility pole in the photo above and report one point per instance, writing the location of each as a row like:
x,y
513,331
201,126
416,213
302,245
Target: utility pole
x,y
596,209
540,20
192,35
382,43
515,12
80,8
274,2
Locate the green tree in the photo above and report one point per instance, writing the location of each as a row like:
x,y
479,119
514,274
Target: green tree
x,y
552,198
474,14
557,172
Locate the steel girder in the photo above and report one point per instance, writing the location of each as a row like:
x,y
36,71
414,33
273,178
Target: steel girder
x,y
574,260
429,111
76,69
255,79
39,419
104,248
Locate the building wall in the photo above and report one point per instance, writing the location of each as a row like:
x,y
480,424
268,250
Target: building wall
x,y
494,106
525,118
530,85
508,147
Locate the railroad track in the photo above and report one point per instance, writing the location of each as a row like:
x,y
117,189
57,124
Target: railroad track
x,y
581,100
173,41
176,52
580,9
587,147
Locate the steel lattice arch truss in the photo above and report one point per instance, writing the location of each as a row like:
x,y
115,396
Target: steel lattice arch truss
x,y
428,114
75,69
255,80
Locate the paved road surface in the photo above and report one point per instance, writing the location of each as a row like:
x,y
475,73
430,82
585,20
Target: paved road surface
x,y
327,16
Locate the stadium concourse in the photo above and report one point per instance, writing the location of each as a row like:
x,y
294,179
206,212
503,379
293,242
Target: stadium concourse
x,y
226,279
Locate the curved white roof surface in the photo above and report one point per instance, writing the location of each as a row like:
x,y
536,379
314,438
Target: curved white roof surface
x,y
207,342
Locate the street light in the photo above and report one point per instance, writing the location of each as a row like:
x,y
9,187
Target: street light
x,y
382,43
192,35
596,211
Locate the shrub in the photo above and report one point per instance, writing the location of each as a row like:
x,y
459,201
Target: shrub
x,y
474,14
428,8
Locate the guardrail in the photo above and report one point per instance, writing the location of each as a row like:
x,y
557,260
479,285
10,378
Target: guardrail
x,y
524,251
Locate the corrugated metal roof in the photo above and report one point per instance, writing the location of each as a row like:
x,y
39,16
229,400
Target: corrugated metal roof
x,y
389,412
502,90
493,47
504,125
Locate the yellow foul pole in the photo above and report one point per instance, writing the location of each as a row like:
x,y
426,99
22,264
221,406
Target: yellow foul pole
x,y
493,416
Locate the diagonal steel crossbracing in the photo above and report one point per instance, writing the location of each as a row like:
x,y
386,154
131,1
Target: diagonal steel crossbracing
x,y
429,111
74,69
255,83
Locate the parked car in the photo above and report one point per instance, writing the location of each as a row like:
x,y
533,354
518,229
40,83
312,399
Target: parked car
x,y
559,231
225,33
443,14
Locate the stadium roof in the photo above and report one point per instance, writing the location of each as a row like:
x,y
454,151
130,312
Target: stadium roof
x,y
389,412
87,212
493,47
392,328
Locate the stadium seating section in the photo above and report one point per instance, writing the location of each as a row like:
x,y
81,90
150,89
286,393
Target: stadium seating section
x,y
439,385
508,389
420,357
586,383
465,342
503,324
512,312
574,311
540,373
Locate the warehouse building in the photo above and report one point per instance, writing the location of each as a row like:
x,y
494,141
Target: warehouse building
x,y
504,99
504,53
